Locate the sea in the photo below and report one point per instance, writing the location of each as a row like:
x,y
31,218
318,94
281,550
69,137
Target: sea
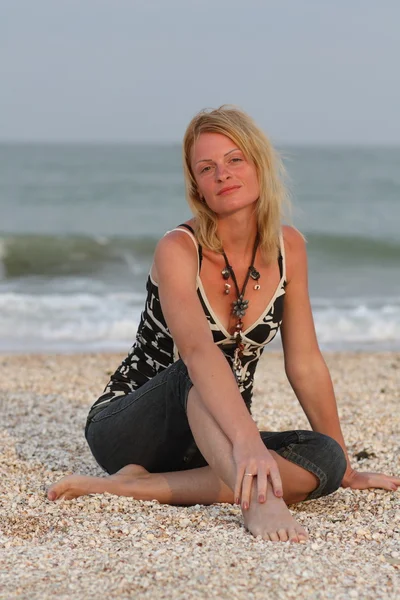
x,y
79,224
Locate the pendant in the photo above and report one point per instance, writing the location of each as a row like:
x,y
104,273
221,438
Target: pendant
x,y
240,346
227,288
240,306
239,326
225,273
257,287
254,274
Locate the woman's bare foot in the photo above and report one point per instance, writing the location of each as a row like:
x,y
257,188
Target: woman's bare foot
x,y
121,484
272,520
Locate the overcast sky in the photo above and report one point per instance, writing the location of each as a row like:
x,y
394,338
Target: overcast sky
x,y
308,71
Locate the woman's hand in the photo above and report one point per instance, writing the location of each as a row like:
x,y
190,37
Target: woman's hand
x,y
361,481
253,460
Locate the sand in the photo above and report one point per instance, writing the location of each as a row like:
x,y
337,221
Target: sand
x,y
123,548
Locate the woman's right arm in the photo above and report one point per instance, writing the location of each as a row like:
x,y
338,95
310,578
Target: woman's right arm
x,y
175,267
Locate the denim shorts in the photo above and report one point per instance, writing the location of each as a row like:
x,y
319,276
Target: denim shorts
x,y
149,427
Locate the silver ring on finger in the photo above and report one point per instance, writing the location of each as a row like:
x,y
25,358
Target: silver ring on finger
x,y
249,475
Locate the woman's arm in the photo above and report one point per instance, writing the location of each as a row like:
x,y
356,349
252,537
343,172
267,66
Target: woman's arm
x,y
176,270
175,267
304,365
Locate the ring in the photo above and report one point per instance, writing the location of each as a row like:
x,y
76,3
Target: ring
x,y
249,475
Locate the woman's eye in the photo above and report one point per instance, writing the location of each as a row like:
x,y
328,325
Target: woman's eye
x,y
205,169
236,159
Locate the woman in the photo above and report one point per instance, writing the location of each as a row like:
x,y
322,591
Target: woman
x,y
174,422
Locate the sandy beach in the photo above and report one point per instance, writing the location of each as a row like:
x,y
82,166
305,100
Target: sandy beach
x,y
124,548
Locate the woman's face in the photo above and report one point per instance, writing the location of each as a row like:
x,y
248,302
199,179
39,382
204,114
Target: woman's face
x,y
225,178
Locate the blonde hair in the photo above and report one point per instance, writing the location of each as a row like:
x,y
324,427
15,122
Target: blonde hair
x,y
242,130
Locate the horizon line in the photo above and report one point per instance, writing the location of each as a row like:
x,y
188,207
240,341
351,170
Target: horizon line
x,y
115,142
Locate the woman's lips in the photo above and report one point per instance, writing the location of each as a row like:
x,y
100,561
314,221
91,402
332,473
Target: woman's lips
x,y
227,190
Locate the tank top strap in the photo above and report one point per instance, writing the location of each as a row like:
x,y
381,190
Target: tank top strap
x,y
281,258
190,232
193,238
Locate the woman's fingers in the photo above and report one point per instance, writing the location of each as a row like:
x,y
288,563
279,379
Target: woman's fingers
x,y
246,490
238,485
262,485
394,482
276,480
386,482
256,471
362,481
260,479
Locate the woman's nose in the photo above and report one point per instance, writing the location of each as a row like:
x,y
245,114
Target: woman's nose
x,y
222,172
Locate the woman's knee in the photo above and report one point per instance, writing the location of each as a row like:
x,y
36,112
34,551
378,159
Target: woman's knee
x,y
332,462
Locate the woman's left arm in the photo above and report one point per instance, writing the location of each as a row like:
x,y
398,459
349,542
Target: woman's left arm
x,y
304,364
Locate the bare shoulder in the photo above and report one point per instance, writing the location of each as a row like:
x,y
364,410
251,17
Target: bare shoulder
x,y
295,250
174,250
294,240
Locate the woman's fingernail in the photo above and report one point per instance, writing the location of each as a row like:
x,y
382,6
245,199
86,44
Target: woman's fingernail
x,y
394,487
237,501
278,493
245,506
261,498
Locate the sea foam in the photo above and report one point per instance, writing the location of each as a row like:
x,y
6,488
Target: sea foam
x,y
85,321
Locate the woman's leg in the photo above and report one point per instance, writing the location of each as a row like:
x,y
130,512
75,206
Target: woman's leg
x,y
151,426
271,520
183,488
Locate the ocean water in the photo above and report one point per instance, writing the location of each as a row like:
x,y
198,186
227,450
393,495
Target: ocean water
x,y
79,224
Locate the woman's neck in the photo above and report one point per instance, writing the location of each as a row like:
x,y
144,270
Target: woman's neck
x,y
237,233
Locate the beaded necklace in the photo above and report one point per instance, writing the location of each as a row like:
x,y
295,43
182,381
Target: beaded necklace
x,y
240,305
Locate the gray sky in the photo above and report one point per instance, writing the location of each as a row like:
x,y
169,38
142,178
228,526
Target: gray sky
x,y
311,71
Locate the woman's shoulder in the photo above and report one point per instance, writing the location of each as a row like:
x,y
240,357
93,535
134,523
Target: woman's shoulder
x,y
182,236
182,232
295,249
292,237
177,249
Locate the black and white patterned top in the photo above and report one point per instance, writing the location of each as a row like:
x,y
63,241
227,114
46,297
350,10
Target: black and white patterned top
x,y
154,349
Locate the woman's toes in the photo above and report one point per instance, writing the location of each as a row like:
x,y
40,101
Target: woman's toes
x,y
55,490
51,494
55,495
61,488
283,536
293,535
303,537
273,536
